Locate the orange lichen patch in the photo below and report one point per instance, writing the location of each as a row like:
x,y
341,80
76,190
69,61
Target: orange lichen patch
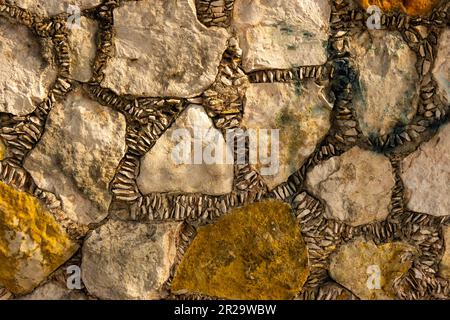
x,y
410,7
254,252
32,244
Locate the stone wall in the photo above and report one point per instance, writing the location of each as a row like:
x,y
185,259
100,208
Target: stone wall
x,y
92,205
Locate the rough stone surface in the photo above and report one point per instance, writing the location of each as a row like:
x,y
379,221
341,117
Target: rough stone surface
x,y
254,252
301,113
82,42
355,186
53,7
441,71
126,260
352,267
282,33
160,170
161,49
24,75
385,64
426,175
54,290
444,269
413,8
32,244
78,155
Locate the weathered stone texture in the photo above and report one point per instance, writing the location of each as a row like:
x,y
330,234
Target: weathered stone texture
x,y
24,75
254,252
282,33
78,155
426,175
161,49
32,244
126,260
355,186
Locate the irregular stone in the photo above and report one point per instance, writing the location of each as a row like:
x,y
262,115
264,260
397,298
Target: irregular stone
x,y
50,8
127,260
77,156
385,64
368,270
253,252
426,175
54,290
161,49
302,115
82,42
32,243
164,169
282,33
444,268
441,71
24,75
411,7
355,186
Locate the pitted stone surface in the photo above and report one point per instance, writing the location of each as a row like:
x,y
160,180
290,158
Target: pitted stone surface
x,y
282,33
426,175
82,42
165,169
301,113
78,155
127,260
24,75
32,243
355,186
254,252
386,65
161,49
441,71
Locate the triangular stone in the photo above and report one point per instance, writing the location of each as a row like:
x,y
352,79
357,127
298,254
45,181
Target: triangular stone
x,y
163,171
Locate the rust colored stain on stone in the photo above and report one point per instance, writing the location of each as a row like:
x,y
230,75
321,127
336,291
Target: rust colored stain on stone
x,y
410,7
32,244
254,252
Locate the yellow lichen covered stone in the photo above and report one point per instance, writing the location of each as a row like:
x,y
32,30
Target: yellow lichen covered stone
x,y
32,244
254,252
2,150
410,7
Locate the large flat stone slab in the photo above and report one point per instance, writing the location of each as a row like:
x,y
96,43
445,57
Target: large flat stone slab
x,y
282,33
25,77
426,175
355,186
165,169
161,49
78,155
